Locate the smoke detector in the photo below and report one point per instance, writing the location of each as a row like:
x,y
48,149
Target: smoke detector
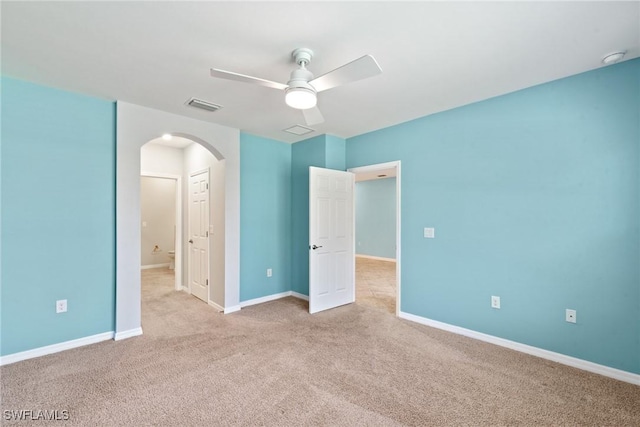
x,y
614,57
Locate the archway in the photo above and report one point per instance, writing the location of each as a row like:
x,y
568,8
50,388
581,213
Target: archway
x,y
136,126
178,159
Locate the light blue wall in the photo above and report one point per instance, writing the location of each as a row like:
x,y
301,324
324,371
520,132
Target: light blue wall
x,y
58,215
310,152
335,156
265,216
535,198
376,217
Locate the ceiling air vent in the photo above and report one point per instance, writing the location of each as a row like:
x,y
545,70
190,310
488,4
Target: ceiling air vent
x,y
298,130
203,105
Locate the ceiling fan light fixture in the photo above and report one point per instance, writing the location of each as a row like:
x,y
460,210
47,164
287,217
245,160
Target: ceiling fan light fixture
x,y
300,98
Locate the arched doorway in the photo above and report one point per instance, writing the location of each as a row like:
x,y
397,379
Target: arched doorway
x,y
136,126
198,272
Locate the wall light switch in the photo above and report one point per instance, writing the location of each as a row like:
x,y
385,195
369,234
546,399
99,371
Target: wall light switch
x,y
429,233
269,272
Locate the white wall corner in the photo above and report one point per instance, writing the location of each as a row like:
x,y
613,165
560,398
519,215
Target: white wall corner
x,y
574,362
55,348
128,334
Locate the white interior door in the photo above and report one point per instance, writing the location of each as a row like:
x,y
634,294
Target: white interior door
x,y
331,250
199,235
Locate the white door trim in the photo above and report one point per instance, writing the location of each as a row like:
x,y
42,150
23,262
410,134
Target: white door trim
x,y
386,166
178,244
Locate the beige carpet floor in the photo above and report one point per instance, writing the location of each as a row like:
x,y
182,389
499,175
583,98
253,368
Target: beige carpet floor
x,y
274,364
376,283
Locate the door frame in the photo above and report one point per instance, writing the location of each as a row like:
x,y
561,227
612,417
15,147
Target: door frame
x,y
187,258
178,243
378,167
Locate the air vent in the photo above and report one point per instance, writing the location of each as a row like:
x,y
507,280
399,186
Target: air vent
x,y
298,130
203,105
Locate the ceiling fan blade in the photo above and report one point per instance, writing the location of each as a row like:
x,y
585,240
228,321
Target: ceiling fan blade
x,y
313,116
359,69
230,75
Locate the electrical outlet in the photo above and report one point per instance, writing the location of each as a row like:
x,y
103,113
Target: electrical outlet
x,y
269,272
495,302
429,233
61,306
570,315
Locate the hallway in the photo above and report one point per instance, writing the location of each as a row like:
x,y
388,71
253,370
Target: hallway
x,y
376,283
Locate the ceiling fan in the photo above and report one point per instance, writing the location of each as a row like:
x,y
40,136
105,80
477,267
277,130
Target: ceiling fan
x,y
301,90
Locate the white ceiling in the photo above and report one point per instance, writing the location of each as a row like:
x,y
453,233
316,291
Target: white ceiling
x,y
434,55
174,142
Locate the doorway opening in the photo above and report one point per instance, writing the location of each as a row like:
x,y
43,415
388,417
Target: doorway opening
x,y
196,222
159,218
136,126
377,235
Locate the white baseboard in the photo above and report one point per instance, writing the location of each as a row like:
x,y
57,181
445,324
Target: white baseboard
x,y
378,258
54,348
264,299
216,306
585,365
299,296
147,267
232,309
128,334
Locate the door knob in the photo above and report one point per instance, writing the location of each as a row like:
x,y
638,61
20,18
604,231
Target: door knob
x,y
314,247
190,240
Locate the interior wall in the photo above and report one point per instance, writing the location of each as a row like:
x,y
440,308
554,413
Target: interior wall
x,y
158,216
265,235
335,153
58,222
310,152
136,126
161,159
534,197
196,159
375,202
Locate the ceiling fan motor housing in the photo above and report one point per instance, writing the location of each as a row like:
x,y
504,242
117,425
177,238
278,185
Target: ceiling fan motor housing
x,y
300,79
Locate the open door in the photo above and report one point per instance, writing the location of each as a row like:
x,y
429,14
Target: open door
x,y
199,235
331,249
